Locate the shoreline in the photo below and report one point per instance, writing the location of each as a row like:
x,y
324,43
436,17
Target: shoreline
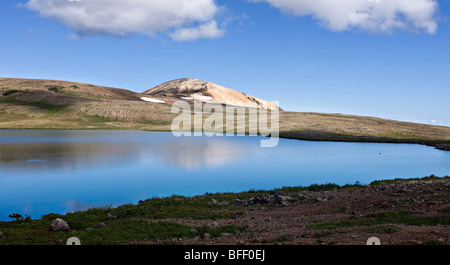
x,y
399,211
439,145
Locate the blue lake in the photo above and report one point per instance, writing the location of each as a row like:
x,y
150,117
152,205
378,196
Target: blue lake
x,y
43,171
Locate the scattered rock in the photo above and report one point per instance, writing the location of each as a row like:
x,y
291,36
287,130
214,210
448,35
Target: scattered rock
x,y
280,199
1,234
322,199
59,225
214,224
236,201
111,217
260,199
302,197
415,242
206,236
225,234
101,225
214,201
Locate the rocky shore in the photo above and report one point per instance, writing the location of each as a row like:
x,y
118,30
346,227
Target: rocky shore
x,y
397,212
407,213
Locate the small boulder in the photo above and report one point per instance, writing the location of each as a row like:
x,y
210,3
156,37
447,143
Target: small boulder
x,y
101,225
214,224
280,199
237,201
260,199
206,236
111,217
59,225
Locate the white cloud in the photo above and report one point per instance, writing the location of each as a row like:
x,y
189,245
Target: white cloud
x,y
122,17
207,30
369,15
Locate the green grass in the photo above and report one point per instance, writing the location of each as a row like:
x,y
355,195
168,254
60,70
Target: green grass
x,y
190,207
400,180
156,208
9,92
125,231
435,243
340,209
402,135
322,234
40,104
386,229
54,89
117,232
317,187
133,223
159,122
98,118
81,94
446,209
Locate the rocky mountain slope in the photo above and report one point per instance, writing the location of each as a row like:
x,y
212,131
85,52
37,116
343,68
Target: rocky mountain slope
x,y
190,88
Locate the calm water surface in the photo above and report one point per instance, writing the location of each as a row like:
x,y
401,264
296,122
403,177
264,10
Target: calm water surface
x,y
43,171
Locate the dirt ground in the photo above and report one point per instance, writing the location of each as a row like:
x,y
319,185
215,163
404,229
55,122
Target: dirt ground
x,y
290,222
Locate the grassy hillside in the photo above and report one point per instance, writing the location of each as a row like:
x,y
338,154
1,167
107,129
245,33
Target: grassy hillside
x,y
51,104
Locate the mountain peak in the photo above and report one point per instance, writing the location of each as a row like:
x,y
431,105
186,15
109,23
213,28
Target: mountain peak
x,y
192,88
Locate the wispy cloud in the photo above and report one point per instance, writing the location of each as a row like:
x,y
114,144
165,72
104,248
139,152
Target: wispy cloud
x,y
375,16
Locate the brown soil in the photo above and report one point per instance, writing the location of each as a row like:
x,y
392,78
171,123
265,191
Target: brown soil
x,y
289,222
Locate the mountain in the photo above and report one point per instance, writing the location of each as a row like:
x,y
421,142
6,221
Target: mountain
x,y
191,88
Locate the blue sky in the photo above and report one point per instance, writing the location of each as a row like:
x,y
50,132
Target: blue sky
x,y
384,59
